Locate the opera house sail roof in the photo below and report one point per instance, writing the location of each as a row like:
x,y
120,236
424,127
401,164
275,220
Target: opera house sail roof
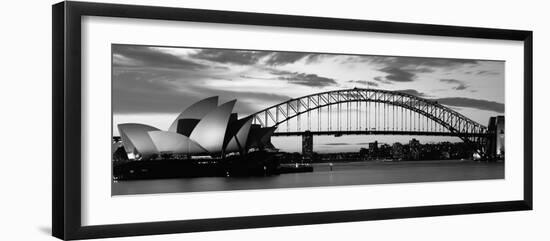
x,y
210,131
167,142
202,128
236,137
136,139
196,111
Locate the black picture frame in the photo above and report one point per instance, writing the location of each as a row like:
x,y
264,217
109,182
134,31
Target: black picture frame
x,y
66,127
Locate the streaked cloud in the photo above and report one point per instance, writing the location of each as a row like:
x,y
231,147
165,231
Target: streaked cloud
x,y
311,80
338,144
460,101
140,56
472,103
282,58
459,84
413,92
364,82
406,69
487,72
225,56
382,80
417,62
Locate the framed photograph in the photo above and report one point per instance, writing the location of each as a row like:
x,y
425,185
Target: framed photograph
x,y
169,120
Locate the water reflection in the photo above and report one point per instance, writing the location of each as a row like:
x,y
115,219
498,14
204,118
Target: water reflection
x,y
357,173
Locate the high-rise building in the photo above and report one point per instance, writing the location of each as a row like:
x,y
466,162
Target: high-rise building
x,y
307,144
495,142
373,149
414,149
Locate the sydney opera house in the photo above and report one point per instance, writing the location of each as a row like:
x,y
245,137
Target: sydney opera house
x,y
203,129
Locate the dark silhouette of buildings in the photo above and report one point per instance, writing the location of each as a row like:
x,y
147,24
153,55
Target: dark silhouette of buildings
x,y
397,151
411,151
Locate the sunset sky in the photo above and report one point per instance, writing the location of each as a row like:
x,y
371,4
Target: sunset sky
x,y
151,85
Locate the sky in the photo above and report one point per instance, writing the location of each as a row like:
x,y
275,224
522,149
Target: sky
x,y
152,85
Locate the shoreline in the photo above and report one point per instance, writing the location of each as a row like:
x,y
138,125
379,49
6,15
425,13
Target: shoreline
x,y
390,162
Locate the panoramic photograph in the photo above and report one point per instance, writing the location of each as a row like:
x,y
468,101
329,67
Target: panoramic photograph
x,y
191,119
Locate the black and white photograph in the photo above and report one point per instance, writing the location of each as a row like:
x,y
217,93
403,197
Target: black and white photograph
x,y
192,119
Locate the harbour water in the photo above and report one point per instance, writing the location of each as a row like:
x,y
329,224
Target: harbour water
x,y
325,174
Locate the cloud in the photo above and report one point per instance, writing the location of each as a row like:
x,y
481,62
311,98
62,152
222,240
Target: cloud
x,y
437,62
461,101
282,58
227,56
406,69
413,92
460,85
382,80
451,81
472,103
251,57
364,82
337,144
418,62
140,56
486,72
311,80
397,74
402,74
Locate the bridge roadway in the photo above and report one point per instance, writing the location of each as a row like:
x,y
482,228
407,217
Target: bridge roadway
x,y
373,132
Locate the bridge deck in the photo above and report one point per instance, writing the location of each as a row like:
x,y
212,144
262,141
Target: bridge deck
x,y
366,132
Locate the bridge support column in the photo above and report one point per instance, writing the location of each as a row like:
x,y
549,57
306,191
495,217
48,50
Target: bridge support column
x,y
307,145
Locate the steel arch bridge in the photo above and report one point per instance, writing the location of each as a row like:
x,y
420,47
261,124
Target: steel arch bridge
x,y
360,111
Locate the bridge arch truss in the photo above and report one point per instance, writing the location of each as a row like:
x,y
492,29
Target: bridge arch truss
x,y
453,122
